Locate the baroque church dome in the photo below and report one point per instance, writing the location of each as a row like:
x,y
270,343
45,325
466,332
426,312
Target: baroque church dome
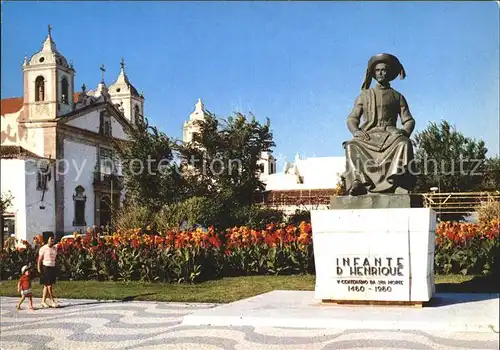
x,y
49,54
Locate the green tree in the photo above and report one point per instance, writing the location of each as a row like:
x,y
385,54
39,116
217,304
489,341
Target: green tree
x,y
491,178
221,162
152,178
449,160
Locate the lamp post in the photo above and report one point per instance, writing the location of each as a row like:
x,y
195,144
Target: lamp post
x,y
433,190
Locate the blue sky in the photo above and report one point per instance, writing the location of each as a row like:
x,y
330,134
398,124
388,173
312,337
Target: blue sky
x,y
299,63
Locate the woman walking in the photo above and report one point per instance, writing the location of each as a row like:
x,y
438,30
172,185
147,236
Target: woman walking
x,y
47,269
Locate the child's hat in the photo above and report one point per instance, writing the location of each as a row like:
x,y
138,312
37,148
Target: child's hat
x,y
24,268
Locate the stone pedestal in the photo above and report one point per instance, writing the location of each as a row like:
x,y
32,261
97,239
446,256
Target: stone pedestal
x,y
377,201
384,254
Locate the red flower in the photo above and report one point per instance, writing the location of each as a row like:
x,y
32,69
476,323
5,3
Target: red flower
x,y
135,243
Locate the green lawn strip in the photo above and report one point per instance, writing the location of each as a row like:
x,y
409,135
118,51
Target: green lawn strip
x,y
219,291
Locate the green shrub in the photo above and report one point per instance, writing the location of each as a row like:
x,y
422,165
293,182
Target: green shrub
x,y
195,210
488,211
130,217
299,216
13,258
256,217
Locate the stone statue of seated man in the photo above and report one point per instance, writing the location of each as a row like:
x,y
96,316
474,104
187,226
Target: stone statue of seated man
x,y
379,158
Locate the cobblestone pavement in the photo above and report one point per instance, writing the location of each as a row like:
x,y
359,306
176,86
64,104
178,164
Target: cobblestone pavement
x,y
87,324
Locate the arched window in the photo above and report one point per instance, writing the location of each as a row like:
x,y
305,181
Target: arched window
x,y
137,113
106,157
64,90
39,88
79,199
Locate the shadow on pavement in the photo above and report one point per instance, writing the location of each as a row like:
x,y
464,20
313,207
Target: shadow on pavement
x,y
132,297
479,284
87,303
479,288
95,302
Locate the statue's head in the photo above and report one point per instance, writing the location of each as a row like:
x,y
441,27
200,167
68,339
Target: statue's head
x,y
379,72
384,68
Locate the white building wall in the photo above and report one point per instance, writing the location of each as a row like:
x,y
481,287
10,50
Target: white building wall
x,y
89,121
34,141
40,215
124,100
31,139
321,172
13,179
316,172
82,159
117,130
9,129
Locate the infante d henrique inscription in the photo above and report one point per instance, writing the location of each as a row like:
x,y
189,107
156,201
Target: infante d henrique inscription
x,y
373,266
370,274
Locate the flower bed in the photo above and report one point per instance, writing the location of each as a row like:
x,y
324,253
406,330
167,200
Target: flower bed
x,y
467,248
174,257
275,250
192,256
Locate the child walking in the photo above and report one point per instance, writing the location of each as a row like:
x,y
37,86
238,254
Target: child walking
x,y
24,287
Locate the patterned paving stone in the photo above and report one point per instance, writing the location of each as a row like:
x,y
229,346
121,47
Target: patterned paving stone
x,y
87,324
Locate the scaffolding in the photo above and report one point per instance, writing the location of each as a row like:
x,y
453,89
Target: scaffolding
x,y
461,203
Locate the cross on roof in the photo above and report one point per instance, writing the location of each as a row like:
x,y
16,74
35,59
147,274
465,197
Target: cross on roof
x,y
50,29
102,70
123,63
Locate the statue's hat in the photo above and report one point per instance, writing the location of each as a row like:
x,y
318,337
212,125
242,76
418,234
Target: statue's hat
x,y
395,68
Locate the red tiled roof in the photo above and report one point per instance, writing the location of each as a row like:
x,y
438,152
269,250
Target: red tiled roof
x,y
11,105
14,104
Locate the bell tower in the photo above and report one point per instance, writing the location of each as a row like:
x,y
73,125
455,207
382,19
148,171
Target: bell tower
x,y
190,127
125,95
48,83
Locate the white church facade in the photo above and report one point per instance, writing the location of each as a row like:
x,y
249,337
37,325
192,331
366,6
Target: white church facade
x,y
57,157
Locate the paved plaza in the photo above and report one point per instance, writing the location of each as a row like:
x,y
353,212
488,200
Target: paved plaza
x,y
88,324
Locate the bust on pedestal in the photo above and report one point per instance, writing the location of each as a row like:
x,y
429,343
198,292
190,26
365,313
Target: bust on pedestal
x,y
377,244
